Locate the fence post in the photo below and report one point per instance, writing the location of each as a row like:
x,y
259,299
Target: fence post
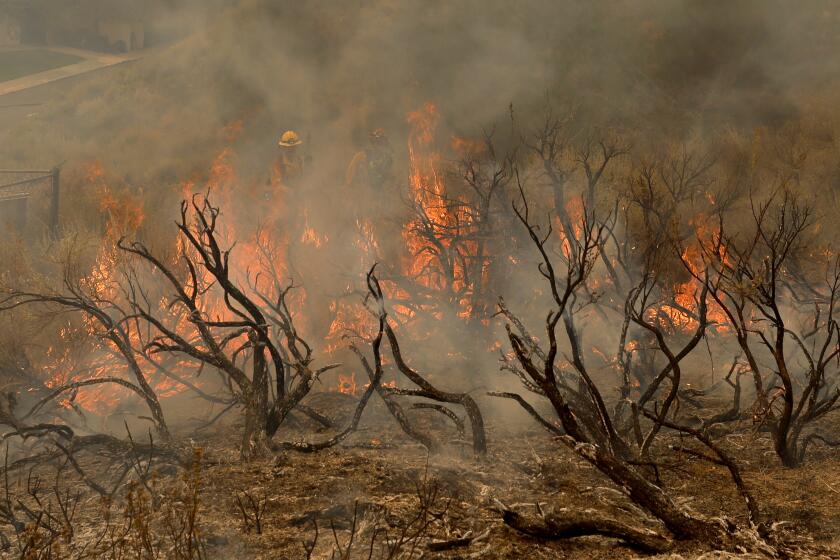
x,y
56,198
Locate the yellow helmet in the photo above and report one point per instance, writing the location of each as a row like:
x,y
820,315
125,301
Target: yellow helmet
x,y
289,139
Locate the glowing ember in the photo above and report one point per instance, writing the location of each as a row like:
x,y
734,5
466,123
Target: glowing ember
x,y
347,384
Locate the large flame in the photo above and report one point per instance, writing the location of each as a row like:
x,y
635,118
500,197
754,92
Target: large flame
x,y
261,255
441,217
428,191
683,315
82,352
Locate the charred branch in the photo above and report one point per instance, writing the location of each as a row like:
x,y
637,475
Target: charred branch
x,y
570,524
375,382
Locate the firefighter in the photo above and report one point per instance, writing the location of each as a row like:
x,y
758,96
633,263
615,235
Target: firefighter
x,y
371,178
372,166
289,165
275,195
295,208
376,201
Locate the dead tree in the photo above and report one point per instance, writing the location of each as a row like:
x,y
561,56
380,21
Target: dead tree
x,y
487,176
425,389
561,154
642,221
583,419
212,317
44,516
646,311
112,324
665,203
374,385
757,286
452,234
253,345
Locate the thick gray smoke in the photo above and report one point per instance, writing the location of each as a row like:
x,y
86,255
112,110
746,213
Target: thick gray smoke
x,y
338,69
656,71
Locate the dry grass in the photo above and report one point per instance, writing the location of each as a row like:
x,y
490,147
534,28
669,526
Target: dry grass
x,y
18,63
379,495
377,472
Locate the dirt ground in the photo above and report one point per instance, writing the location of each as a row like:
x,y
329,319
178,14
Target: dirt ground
x,y
373,485
377,470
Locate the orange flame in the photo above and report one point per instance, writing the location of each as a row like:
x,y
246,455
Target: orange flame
x,y
686,294
443,218
347,384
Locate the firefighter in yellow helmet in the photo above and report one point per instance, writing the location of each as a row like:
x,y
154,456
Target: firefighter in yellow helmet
x,y
289,164
289,139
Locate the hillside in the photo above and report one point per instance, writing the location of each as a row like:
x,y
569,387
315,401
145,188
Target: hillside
x,y
336,70
416,279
